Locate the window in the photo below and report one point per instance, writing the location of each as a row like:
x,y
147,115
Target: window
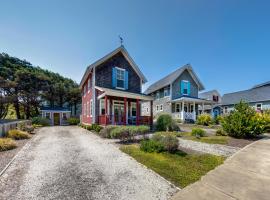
x,y
147,109
225,109
157,108
185,87
161,107
177,108
215,98
120,78
84,110
157,95
166,91
91,108
89,84
48,115
102,107
133,109
258,106
87,108
64,116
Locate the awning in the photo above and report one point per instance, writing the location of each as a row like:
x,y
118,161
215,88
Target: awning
x,y
191,99
119,93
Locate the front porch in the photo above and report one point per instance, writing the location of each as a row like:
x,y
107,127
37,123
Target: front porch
x,y
186,109
121,108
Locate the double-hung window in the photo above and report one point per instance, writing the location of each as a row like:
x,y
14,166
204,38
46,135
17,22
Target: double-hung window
x,y
120,78
185,87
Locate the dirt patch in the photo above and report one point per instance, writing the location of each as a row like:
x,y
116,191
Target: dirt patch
x,y
6,156
234,142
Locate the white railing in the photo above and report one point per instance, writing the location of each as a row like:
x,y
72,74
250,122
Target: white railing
x,y
188,115
184,115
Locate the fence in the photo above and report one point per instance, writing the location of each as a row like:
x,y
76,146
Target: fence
x,y
6,126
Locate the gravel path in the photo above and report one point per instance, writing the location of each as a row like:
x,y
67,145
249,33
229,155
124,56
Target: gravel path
x,y
71,163
216,149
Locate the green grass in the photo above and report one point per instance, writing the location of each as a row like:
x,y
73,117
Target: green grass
x,y
180,168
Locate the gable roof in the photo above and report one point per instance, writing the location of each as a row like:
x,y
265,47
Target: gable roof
x,y
108,56
205,95
167,80
255,94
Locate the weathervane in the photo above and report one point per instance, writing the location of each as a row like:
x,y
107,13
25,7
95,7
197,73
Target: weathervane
x,y
121,40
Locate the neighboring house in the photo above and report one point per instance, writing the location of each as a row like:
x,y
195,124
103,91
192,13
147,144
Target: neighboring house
x,y
111,91
56,115
257,97
215,108
177,94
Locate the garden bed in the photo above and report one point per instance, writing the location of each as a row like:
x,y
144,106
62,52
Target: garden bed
x,y
179,168
6,156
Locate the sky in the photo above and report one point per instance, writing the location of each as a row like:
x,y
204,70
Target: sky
x,y
226,42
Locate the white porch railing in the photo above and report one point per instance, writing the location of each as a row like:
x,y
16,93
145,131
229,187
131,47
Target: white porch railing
x,y
184,115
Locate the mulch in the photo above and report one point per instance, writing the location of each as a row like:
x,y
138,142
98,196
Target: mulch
x,y
6,156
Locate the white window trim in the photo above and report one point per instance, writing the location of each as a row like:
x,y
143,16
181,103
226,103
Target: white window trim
x,y
256,105
133,104
184,88
176,107
108,106
91,108
161,107
157,107
121,69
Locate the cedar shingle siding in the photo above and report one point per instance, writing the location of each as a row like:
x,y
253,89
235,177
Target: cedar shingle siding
x,y
176,90
104,73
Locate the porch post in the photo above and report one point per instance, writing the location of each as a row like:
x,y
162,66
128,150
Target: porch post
x,y
106,109
182,110
151,114
203,108
125,110
137,112
194,111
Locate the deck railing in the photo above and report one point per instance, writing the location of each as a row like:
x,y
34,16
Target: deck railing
x,y
119,120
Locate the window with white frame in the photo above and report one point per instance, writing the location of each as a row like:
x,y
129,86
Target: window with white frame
x,y
157,95
120,78
177,109
258,106
91,108
133,109
102,107
166,91
87,108
185,87
157,108
89,84
48,115
161,107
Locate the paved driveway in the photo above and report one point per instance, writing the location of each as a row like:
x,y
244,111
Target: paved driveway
x,y
71,163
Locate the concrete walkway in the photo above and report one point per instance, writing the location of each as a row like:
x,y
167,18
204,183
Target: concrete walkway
x,y
245,176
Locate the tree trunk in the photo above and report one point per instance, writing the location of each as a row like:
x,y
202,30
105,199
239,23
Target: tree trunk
x,y
17,108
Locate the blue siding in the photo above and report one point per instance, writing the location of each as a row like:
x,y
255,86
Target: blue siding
x,y
126,80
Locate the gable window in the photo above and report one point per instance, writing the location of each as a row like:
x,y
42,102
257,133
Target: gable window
x,y
185,87
120,77
258,106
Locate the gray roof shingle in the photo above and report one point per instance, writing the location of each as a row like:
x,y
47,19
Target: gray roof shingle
x,y
170,78
255,94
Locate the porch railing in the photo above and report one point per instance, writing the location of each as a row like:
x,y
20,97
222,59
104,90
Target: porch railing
x,y
119,120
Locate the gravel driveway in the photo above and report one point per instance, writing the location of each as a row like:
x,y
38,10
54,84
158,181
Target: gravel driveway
x,y
71,163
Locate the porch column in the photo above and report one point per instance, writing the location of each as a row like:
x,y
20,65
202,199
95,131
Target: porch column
x,y
194,111
203,108
182,110
137,112
106,109
125,110
151,114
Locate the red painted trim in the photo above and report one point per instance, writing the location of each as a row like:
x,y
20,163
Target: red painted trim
x,y
106,109
125,110
137,112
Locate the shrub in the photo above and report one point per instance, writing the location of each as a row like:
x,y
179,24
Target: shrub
x,y
27,128
204,119
166,123
7,144
244,122
96,127
105,132
170,142
198,132
151,146
73,121
40,121
17,134
128,132
217,120
221,132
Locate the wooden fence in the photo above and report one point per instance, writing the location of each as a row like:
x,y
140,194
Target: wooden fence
x,y
6,126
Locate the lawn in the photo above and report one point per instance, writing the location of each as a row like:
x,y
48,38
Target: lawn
x,y
180,168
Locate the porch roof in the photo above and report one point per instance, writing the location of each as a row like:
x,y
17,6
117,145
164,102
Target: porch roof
x,y
192,99
120,93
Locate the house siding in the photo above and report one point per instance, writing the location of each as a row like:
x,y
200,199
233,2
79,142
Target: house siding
x,y
176,88
104,73
86,98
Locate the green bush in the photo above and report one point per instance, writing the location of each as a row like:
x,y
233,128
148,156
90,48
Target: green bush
x,y
244,122
7,144
151,146
27,128
169,141
17,134
198,132
40,121
204,119
96,127
127,133
73,121
221,132
217,120
165,122
106,131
